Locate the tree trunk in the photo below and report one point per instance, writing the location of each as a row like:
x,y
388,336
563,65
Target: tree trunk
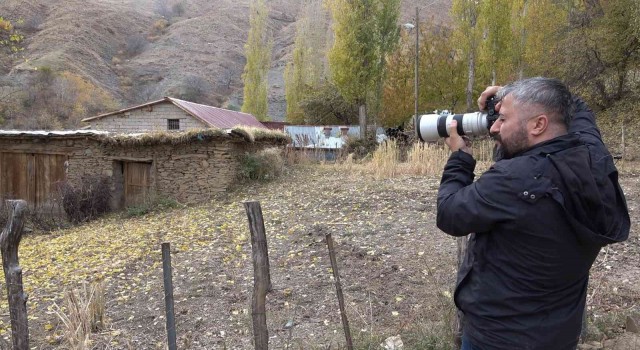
x,y
362,117
9,242
472,77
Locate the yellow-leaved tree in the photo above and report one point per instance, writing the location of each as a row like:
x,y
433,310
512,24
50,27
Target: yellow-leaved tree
x,y
365,32
258,53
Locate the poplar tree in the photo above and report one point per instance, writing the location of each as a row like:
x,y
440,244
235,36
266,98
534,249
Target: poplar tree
x,y
468,33
307,70
496,54
258,53
365,32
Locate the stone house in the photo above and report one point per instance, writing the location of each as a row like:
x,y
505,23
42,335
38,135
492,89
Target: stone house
x,y
170,114
189,166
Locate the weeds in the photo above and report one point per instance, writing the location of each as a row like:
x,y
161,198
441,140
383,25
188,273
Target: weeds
x,y
83,313
153,203
266,164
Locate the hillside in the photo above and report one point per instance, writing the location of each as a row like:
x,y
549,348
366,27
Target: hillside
x,y
123,46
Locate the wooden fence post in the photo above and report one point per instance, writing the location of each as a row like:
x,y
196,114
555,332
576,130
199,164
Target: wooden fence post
x,y
336,277
9,242
168,296
261,274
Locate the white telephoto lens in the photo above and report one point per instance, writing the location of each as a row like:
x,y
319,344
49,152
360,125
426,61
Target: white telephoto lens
x,y
432,127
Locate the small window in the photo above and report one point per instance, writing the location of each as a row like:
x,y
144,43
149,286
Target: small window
x,y
173,124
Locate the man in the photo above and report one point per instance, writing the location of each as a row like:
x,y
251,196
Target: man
x,y
540,216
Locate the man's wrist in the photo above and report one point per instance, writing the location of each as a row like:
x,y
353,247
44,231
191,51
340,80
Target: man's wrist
x,y
466,150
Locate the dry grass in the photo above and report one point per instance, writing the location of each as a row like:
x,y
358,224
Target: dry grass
x,y
176,138
83,313
422,159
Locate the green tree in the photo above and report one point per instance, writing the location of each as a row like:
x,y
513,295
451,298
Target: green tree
x,y
365,32
258,53
601,52
537,26
308,67
444,69
496,51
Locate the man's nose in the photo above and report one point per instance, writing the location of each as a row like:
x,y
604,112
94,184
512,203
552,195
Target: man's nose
x,y
495,128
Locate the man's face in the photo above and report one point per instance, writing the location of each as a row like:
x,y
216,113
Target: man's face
x,y
510,130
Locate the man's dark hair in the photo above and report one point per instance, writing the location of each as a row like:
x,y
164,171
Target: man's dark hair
x,y
550,94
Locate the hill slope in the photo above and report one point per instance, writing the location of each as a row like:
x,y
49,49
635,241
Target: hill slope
x,y
124,47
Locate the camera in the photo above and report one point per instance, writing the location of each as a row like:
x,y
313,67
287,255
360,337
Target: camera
x,y
431,127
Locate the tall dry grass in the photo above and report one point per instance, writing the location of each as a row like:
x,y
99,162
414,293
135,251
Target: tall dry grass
x,y
422,159
83,313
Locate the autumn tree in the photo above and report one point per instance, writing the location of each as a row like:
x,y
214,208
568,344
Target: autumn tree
x,y
325,105
398,88
365,32
258,53
308,67
465,14
10,40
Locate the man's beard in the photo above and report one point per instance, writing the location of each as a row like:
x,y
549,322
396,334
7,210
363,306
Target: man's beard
x,y
516,144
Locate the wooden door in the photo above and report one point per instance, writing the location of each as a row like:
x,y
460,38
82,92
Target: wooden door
x,y
17,176
137,177
49,173
32,177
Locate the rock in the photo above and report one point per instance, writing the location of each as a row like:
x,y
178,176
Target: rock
x,y
627,341
633,324
393,343
585,347
609,343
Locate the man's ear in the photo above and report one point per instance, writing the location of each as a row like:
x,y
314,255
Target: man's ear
x,y
540,124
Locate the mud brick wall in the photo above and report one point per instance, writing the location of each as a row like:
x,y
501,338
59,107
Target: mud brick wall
x,y
145,119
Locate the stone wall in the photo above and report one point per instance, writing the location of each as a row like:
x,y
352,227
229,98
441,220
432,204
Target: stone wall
x,y
145,119
188,173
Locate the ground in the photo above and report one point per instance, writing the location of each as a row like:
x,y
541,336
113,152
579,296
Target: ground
x,y
397,269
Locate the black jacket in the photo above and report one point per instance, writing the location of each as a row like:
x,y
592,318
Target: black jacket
x,y
540,219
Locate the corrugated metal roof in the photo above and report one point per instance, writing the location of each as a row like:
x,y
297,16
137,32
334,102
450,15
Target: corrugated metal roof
x,y
212,116
217,117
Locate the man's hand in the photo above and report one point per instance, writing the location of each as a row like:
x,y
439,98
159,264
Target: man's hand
x,y
488,92
457,142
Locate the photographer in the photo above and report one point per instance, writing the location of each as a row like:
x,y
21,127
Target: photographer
x,y
540,215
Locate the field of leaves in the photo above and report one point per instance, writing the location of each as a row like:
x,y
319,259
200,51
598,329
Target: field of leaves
x,y
397,269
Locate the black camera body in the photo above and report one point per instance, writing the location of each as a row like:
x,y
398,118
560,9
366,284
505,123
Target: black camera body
x,y
431,127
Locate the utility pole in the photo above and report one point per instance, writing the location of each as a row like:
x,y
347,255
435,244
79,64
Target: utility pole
x,y
417,63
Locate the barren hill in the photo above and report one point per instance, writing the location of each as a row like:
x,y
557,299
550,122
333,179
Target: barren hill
x,y
125,47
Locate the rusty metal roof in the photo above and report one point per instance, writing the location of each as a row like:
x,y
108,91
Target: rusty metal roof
x,y
217,117
212,116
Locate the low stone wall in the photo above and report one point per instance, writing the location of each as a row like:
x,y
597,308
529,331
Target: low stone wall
x,y
187,172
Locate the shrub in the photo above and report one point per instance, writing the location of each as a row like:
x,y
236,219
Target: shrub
x,y
262,165
88,200
359,147
135,45
178,9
